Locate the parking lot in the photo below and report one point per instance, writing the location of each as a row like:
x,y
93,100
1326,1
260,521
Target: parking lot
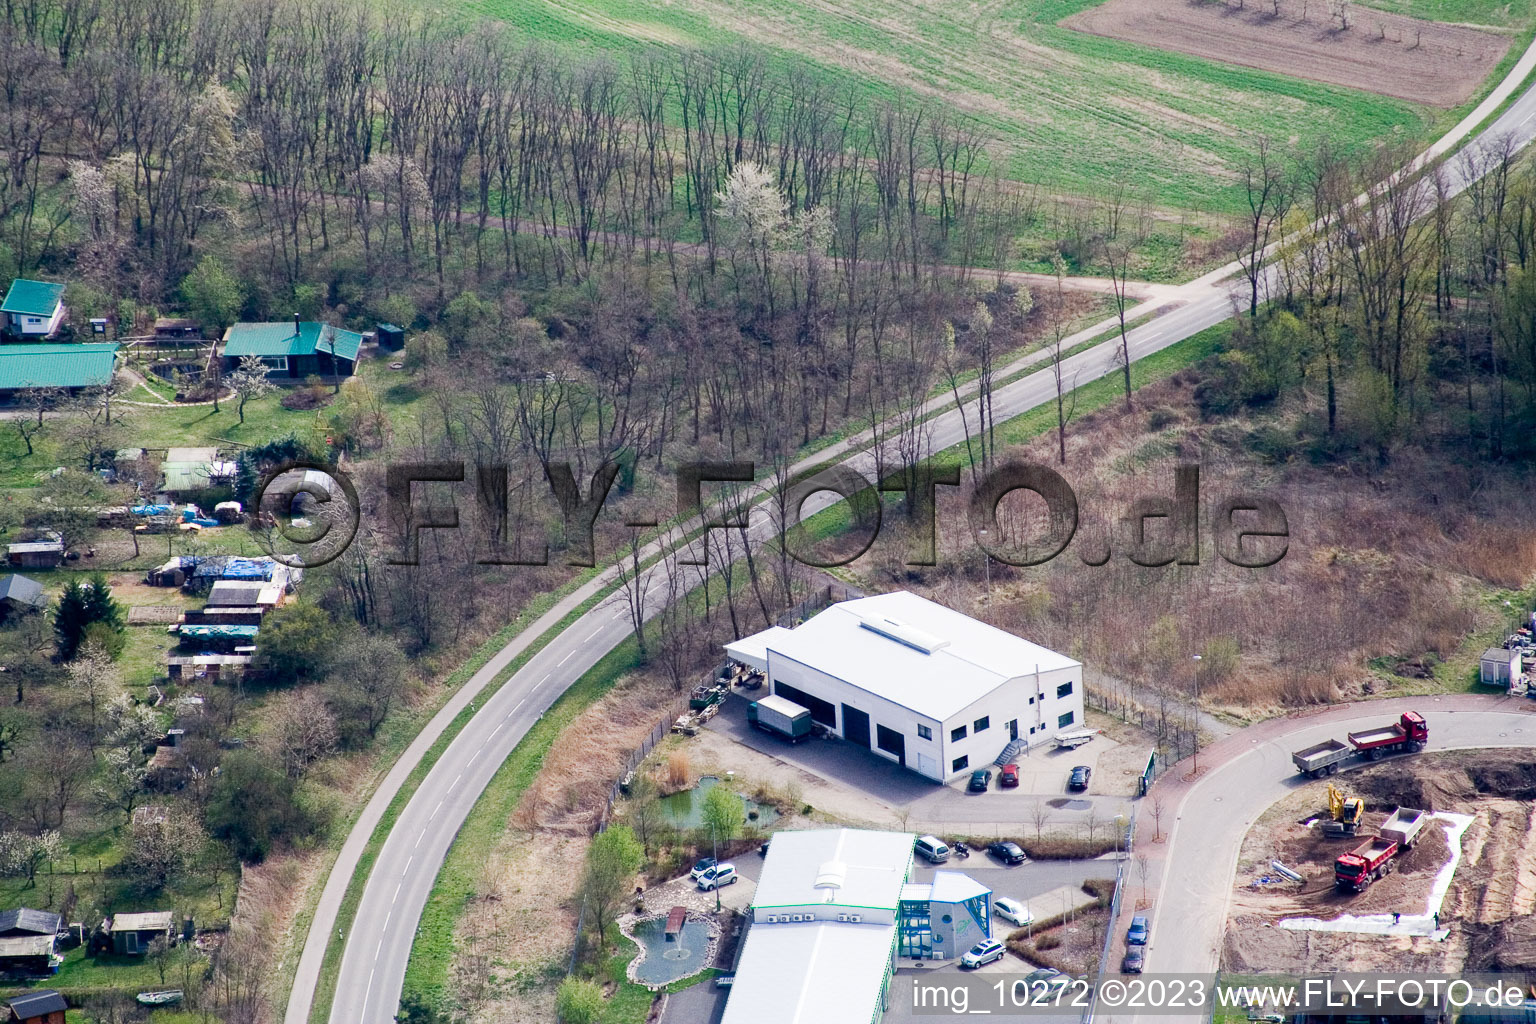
x,y
859,785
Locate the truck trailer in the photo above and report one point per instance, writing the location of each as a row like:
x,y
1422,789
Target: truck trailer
x,y
781,717
1404,826
1322,758
1365,863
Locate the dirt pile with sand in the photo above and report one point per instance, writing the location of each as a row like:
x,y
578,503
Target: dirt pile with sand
x,y
1487,910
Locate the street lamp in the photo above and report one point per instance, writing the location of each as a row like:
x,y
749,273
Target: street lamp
x,y
1196,673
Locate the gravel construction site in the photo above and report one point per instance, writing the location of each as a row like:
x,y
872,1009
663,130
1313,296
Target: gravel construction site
x,y
1486,918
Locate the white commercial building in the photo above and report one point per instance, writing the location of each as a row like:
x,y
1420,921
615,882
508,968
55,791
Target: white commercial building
x,y
918,683
821,947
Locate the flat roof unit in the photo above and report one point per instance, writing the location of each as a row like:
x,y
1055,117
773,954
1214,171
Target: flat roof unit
x,y
837,866
811,973
753,650
914,652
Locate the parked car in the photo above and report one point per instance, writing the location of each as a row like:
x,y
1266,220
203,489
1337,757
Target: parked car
x,y
1008,776
1008,853
718,876
984,952
700,866
1011,910
1139,931
932,849
981,778
1135,960
1079,779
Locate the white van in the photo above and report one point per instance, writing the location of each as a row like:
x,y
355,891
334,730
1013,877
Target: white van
x,y
932,849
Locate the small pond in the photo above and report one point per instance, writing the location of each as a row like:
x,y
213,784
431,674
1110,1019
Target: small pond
x,y
666,961
686,809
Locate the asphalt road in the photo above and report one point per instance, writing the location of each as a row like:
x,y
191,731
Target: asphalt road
x,y
374,962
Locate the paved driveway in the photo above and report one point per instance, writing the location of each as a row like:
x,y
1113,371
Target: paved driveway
x,y
703,1003
928,805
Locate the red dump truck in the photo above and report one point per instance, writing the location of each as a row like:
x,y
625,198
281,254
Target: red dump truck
x,y
1406,735
1365,863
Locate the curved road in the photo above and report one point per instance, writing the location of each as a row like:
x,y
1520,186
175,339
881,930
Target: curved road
x,y
1245,774
373,965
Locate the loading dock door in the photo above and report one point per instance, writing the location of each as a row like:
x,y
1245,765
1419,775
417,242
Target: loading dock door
x,y
892,742
855,726
823,711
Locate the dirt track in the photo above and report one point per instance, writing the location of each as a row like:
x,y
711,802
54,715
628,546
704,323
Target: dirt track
x,y
1487,909
1420,61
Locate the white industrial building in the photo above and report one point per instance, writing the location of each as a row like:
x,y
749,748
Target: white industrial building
x,y
822,943
918,683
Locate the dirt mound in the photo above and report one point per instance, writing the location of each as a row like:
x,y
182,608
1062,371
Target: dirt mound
x,y
1514,779
1502,946
1433,787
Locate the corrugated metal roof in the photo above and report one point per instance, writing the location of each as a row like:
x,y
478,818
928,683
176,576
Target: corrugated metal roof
x,y
39,1003
27,591
37,298
25,919
59,366
279,339
149,921
211,631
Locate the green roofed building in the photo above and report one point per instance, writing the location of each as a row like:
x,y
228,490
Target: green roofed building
x,y
33,309
56,366
294,349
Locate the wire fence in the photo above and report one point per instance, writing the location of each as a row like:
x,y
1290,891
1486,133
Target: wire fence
x,y
1114,906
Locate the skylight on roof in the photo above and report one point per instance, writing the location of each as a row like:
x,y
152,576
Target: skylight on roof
x,y
903,633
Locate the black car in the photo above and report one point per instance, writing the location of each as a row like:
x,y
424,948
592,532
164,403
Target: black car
x,y
981,778
1008,853
1079,779
1135,959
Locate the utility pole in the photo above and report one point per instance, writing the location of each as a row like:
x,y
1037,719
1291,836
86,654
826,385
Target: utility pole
x,y
1196,664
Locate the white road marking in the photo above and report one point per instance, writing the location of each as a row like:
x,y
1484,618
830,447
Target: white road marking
x,y
596,631
418,840
514,710
562,661
396,896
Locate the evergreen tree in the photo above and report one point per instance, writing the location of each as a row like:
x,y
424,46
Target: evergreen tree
x,y
70,619
100,607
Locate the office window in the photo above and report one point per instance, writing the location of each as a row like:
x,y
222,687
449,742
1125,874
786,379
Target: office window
x,y
981,724
1064,690
1031,700
1064,721
923,732
960,764
957,733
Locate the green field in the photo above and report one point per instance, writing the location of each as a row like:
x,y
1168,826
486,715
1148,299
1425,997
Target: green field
x,y
1068,111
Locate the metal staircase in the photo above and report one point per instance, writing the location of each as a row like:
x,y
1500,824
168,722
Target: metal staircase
x,y
1011,751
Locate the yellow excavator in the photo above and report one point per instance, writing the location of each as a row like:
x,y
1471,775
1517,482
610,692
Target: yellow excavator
x,y
1346,813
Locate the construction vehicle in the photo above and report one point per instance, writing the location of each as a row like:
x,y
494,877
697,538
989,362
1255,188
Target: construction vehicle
x,y
780,716
1345,812
1406,735
1365,863
1409,733
1322,758
1404,826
